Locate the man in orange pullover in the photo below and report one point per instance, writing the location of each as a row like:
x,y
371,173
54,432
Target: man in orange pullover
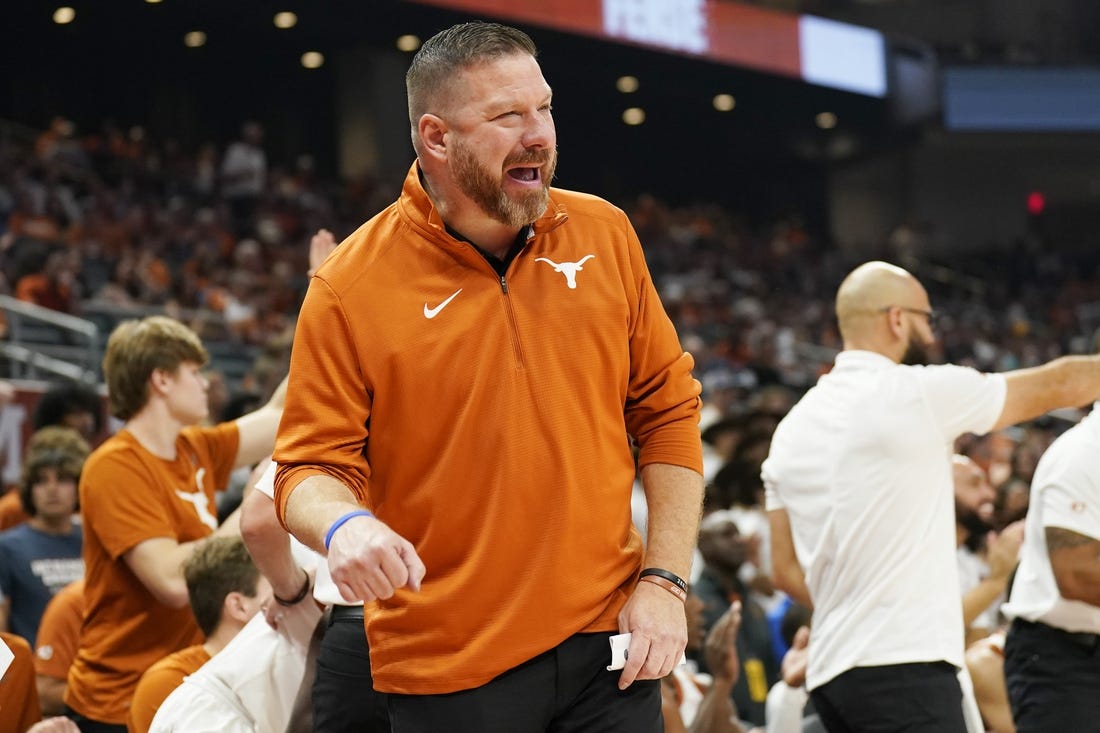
x,y
471,365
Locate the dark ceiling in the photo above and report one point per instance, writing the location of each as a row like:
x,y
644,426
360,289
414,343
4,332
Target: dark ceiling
x,y
125,60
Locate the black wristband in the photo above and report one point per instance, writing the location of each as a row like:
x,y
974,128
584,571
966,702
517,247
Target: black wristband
x,y
296,599
667,576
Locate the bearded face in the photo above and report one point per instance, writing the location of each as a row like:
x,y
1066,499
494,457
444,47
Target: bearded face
x,y
486,188
916,353
973,520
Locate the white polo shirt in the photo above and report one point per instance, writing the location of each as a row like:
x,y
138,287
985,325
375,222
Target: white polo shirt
x,y
1065,492
862,464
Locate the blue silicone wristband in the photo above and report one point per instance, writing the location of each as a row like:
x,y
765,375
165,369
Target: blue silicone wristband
x,y
341,521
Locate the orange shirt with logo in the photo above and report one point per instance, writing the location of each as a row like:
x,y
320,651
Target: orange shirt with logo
x,y
18,692
59,632
486,419
127,496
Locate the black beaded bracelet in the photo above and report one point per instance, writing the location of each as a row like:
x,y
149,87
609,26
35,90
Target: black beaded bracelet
x,y
296,599
667,576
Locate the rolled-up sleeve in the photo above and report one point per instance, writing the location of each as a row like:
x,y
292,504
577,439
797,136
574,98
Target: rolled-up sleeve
x,y
324,424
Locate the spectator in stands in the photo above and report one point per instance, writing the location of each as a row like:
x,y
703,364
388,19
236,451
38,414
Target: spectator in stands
x,y
244,175
43,555
985,662
51,437
55,647
714,711
985,558
72,405
343,696
787,709
860,503
1051,660
218,396
683,688
18,696
148,502
225,590
54,286
260,679
1012,500
724,551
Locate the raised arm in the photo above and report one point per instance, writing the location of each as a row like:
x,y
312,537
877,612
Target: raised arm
x,y
1070,381
257,429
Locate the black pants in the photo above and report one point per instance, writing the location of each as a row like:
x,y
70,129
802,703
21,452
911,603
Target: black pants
x,y
565,690
922,697
1053,678
344,699
87,725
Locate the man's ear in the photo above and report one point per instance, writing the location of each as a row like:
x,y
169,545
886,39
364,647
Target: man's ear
x,y
894,321
159,380
236,608
433,135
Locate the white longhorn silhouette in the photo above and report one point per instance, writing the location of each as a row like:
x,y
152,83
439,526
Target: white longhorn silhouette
x,y
569,269
197,499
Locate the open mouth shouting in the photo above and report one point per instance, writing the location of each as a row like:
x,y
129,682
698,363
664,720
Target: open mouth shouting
x,y
528,174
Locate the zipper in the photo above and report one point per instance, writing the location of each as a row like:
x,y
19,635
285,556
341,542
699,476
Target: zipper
x,y
513,328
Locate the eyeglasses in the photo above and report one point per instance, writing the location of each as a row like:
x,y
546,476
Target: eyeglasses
x,y
932,316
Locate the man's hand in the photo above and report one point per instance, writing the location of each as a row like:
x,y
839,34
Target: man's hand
x,y
368,560
54,725
720,648
797,657
321,245
658,626
1003,549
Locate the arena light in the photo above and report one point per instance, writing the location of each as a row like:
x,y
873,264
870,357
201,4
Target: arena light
x,y
408,43
194,39
724,102
1036,203
313,59
634,116
825,120
627,84
285,19
64,15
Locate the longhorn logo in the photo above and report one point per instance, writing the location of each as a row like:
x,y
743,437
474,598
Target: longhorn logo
x,y
569,269
198,500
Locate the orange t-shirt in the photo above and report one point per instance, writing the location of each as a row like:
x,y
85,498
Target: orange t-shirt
x,y
59,632
158,682
11,510
127,496
18,693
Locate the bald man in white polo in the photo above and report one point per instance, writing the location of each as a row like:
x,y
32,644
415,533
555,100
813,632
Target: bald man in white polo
x,y
860,503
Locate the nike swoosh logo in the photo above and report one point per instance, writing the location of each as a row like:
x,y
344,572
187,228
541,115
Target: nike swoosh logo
x,y
433,312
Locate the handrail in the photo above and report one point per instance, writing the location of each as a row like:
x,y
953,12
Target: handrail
x,y
37,360
61,320
33,355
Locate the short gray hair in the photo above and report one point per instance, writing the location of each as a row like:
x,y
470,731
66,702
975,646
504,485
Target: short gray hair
x,y
458,47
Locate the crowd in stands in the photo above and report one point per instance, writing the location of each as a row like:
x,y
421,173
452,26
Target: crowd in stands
x,y
115,217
